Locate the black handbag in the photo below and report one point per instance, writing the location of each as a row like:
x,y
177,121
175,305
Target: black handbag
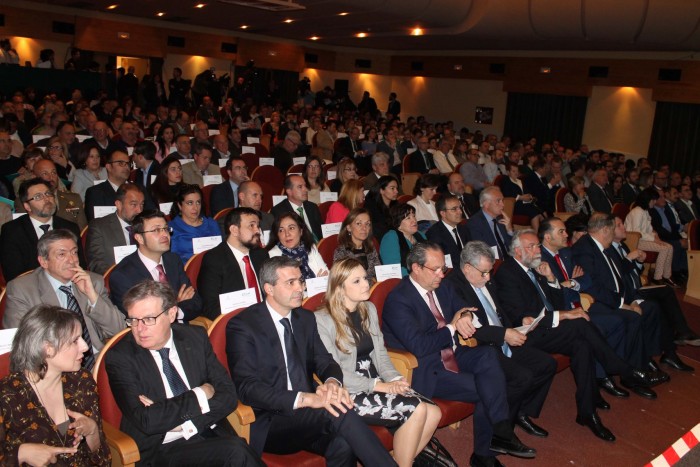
x,y
434,454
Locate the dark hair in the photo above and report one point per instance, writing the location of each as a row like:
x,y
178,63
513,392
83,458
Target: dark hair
x,y
441,203
27,184
426,181
180,198
84,153
306,238
417,255
145,148
645,197
160,189
126,187
234,217
344,237
231,160
150,288
546,227
321,173
139,221
577,223
31,153
399,212
44,244
199,147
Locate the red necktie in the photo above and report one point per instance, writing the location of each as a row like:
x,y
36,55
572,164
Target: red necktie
x,y
161,274
447,355
250,277
566,276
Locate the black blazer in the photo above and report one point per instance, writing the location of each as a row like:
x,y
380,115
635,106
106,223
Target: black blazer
x,y
685,213
439,234
152,170
629,193
99,195
132,371
599,198
602,283
417,163
479,229
630,271
519,296
258,368
310,210
657,223
131,271
539,188
18,245
221,198
220,274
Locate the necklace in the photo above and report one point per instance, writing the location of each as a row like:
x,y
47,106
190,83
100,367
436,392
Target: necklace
x,y
63,439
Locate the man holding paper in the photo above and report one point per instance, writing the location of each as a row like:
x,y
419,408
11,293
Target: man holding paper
x,y
106,235
193,174
529,371
233,265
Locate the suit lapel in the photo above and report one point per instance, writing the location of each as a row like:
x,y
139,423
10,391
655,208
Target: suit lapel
x,y
185,352
148,366
116,230
269,330
301,339
45,291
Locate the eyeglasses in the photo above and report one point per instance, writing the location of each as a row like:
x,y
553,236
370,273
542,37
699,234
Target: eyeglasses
x,y
55,148
438,270
120,163
483,273
456,208
147,321
41,196
158,230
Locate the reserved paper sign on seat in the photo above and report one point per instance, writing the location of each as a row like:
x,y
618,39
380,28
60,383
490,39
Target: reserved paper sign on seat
x,y
388,271
6,337
222,162
299,160
331,174
121,252
267,161
316,285
252,140
247,150
212,180
330,229
277,199
165,207
101,211
448,261
265,237
201,244
97,182
238,299
328,196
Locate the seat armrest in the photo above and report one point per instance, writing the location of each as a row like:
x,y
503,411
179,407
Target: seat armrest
x,y
241,419
121,445
404,362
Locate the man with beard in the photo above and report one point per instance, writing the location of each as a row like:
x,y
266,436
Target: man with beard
x,y
19,238
234,264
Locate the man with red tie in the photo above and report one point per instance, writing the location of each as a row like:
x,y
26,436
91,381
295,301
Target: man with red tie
x,y
235,263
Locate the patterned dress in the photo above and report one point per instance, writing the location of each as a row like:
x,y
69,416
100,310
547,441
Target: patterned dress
x,y
23,419
379,408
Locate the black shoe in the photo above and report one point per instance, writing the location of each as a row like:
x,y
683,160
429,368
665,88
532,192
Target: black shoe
x,y
641,391
603,404
512,446
653,366
688,339
642,378
529,427
609,386
596,426
484,461
672,360
669,282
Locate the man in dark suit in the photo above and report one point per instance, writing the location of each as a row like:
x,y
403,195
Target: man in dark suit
x,y
18,240
686,209
394,106
660,298
537,185
113,230
598,194
105,193
250,196
173,392
285,152
528,287
630,190
490,224
153,260
297,202
147,168
667,225
234,264
529,371
273,352
422,315
469,203
225,194
421,160
449,233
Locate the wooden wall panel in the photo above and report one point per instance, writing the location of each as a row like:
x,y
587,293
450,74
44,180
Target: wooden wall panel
x,y
326,59
205,45
345,62
32,23
102,36
278,56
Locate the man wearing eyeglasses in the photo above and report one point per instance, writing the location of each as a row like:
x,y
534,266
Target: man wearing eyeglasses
x,y
105,194
173,392
153,260
449,233
424,316
18,241
193,173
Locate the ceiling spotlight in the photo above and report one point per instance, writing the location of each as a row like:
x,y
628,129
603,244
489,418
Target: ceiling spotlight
x,y
457,67
112,7
545,70
314,38
344,13
288,21
361,34
244,26
416,32
160,13
200,5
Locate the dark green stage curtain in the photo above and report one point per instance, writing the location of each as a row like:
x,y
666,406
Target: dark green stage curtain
x,y
546,117
675,137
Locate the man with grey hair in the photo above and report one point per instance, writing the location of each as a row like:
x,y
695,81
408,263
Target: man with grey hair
x,y
529,371
528,288
598,194
380,168
284,153
491,225
273,350
62,282
423,315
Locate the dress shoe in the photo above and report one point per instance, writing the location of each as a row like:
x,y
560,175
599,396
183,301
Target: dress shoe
x,y
596,426
529,427
512,446
602,404
642,378
669,282
658,372
672,360
688,339
653,366
484,461
609,386
642,391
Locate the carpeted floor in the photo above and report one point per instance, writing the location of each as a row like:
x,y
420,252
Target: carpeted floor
x,y
643,428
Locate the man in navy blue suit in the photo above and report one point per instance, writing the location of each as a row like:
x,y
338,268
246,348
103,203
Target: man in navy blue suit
x,y
490,224
449,233
422,315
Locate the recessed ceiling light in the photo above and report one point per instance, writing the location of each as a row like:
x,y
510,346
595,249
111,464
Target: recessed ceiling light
x,y
314,38
200,5
112,7
416,32
160,13
244,26
361,34
344,13
288,21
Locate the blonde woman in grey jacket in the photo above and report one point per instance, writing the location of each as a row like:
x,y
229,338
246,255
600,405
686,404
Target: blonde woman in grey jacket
x,y
349,328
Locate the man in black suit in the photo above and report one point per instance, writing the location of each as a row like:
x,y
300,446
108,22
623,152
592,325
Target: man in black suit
x,y
297,202
527,288
544,191
153,260
173,392
273,352
285,152
421,160
529,371
105,193
490,224
666,224
19,237
469,203
394,106
250,195
234,264
351,147
449,233
148,167
630,190
687,210
598,194
225,194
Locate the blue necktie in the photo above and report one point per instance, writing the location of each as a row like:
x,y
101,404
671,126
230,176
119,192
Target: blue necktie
x,y
88,356
493,317
547,303
177,385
